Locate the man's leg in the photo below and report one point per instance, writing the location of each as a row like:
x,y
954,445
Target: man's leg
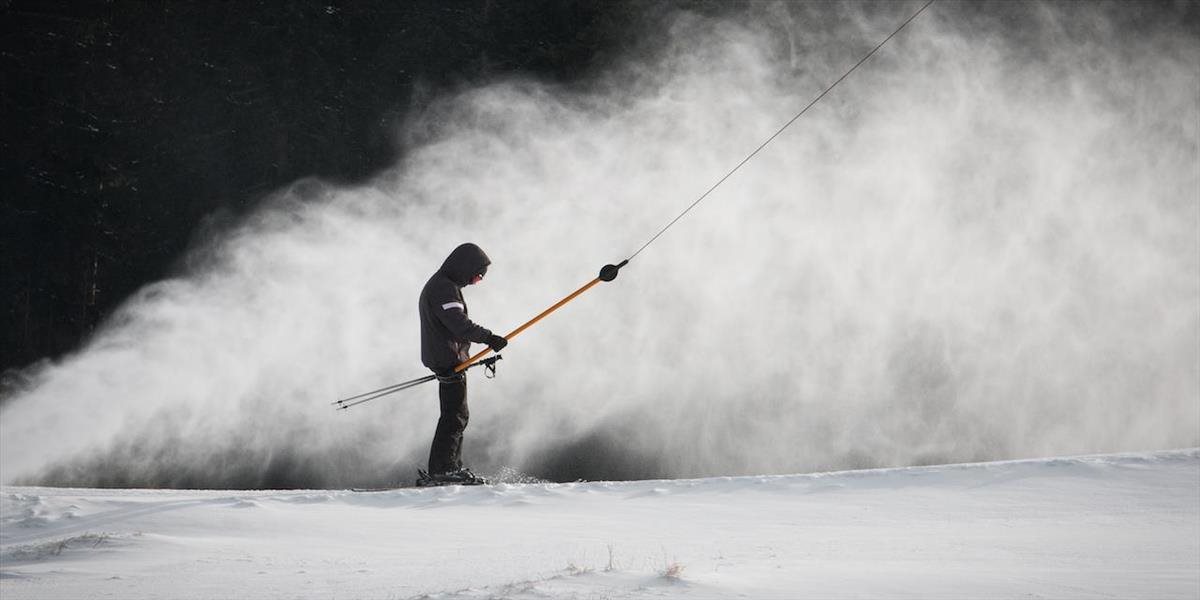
x,y
445,454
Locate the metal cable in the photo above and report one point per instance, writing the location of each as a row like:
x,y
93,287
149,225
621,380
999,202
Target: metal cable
x,y
781,129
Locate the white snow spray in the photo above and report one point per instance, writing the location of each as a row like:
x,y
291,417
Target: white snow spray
x,y
984,245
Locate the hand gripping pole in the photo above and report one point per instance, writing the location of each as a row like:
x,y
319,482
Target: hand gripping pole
x,y
608,273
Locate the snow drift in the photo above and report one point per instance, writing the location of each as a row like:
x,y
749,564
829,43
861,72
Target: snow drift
x,y
1125,526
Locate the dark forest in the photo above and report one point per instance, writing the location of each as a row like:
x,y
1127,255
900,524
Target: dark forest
x,y
130,129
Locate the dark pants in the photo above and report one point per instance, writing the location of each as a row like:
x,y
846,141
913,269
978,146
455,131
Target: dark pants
x,y
445,455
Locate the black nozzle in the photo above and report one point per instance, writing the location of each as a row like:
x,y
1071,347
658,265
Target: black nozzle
x,y
609,272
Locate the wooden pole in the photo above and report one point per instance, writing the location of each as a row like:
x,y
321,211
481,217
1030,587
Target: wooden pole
x,y
530,323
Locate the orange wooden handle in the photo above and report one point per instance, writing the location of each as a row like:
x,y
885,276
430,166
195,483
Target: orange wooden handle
x,y
514,333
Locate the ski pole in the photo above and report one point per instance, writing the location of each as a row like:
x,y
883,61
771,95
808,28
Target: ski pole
x,y
344,403
608,273
396,387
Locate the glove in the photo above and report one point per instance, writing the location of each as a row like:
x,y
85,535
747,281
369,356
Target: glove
x,y
496,343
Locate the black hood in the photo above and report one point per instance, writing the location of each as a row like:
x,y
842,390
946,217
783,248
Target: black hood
x,y
467,261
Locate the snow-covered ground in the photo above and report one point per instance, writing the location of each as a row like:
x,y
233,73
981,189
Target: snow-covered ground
x,y
1125,526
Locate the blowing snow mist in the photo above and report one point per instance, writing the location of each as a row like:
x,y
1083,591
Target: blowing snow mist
x,y
984,244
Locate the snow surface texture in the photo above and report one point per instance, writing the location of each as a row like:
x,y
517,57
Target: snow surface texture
x,y
983,245
1124,526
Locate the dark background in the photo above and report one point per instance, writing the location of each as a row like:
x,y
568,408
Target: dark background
x,y
126,127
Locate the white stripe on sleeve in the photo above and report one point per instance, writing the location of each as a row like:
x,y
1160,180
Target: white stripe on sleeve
x,y
450,305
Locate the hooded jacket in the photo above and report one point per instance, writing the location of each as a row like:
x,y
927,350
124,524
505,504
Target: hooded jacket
x,y
446,332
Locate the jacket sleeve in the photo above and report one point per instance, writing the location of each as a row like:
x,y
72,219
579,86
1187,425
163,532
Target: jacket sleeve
x,y
451,312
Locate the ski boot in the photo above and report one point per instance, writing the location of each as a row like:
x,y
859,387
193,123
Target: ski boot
x,y
462,476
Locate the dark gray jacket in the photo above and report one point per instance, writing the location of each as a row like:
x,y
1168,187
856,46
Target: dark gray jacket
x,y
446,332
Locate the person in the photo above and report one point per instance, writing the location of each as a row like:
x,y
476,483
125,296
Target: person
x,y
446,336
